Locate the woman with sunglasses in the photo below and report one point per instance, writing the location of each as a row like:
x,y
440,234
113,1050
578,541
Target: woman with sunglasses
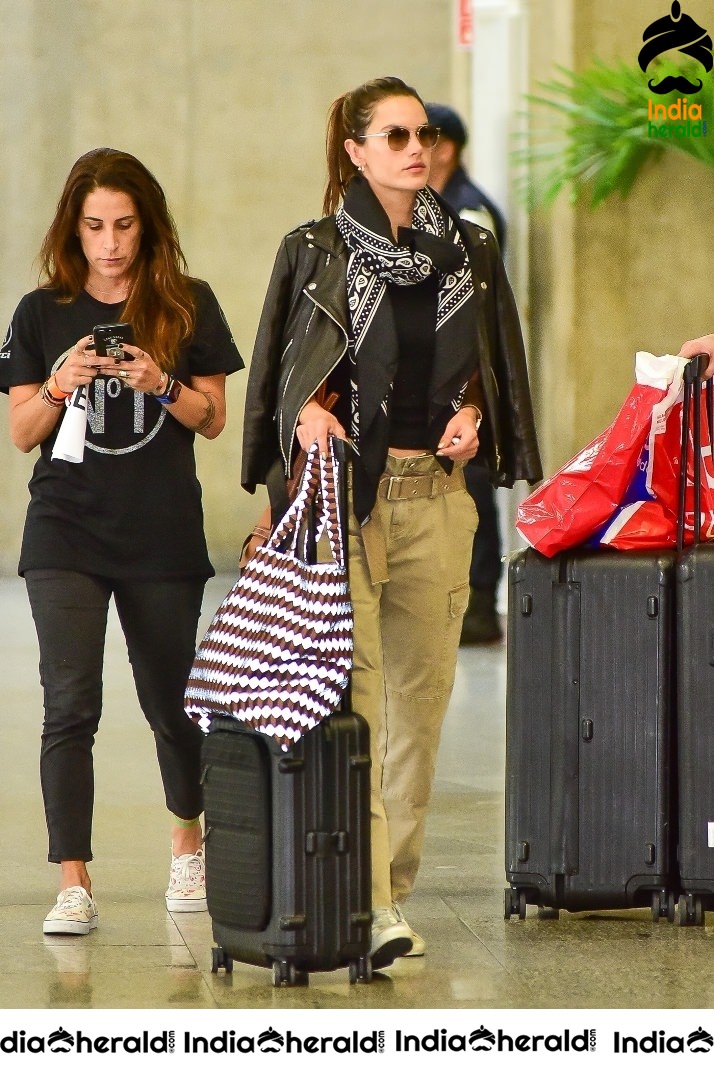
x,y
404,311
125,519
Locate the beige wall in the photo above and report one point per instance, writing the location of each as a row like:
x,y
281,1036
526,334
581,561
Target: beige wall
x,y
225,100
630,275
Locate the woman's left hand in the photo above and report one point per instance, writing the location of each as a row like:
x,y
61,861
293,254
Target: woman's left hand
x,y
138,370
460,439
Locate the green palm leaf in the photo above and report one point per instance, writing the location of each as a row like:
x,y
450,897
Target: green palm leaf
x,y
589,131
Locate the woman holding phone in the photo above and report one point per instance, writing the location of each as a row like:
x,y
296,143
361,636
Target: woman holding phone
x,y
126,521
404,311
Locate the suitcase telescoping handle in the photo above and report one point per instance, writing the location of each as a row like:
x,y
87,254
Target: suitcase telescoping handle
x,y
693,374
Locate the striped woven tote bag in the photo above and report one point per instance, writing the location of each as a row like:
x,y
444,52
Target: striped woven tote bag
x,y
278,652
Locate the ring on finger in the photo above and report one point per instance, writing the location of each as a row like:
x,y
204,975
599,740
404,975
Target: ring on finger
x,y
123,373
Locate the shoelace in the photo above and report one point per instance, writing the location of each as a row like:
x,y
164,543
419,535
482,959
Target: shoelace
x,y
187,868
71,899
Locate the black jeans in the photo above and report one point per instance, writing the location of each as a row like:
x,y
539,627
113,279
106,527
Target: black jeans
x,y
159,621
486,564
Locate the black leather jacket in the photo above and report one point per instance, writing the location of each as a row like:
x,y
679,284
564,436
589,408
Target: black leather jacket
x,y
303,334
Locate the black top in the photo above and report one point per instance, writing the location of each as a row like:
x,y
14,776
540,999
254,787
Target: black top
x,y
132,506
414,310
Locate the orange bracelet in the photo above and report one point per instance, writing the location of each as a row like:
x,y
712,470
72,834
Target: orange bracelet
x,y
61,394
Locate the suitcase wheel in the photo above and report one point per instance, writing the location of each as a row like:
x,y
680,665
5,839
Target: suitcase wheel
x,y
664,905
514,903
691,910
360,970
220,958
285,973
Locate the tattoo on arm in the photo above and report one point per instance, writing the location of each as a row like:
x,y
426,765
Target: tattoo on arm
x,y
210,414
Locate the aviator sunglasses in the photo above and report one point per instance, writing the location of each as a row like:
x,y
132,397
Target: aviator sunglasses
x,y
398,137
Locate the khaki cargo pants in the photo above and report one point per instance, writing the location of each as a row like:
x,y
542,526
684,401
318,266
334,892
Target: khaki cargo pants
x,y
407,631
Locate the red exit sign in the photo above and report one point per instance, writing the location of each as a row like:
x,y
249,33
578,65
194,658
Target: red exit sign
x,y
464,23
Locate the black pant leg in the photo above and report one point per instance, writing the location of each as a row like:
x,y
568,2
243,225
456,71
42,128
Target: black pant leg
x,y
70,614
159,619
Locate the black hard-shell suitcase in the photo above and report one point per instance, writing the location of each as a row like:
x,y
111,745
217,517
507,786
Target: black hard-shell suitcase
x,y
589,710
288,859
288,873
695,706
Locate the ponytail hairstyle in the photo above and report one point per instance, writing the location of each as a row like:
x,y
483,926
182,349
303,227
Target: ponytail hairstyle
x,y
349,117
160,305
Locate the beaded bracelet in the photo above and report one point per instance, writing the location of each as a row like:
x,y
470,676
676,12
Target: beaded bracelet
x,y
49,399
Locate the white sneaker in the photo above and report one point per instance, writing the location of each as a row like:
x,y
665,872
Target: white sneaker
x,y
187,883
74,912
418,943
390,937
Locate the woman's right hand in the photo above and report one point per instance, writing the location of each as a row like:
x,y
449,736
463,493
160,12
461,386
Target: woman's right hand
x,y
31,418
315,424
76,370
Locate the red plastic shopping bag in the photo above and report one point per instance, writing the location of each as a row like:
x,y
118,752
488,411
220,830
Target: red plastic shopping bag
x,y
572,505
647,517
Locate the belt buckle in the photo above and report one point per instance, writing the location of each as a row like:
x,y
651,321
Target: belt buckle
x,y
395,483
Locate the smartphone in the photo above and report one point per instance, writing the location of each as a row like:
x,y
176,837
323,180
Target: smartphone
x,y
107,339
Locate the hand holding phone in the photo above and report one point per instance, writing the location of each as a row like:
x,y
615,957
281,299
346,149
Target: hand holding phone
x,y
107,340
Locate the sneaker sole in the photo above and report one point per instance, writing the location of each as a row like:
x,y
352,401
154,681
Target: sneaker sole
x,y
391,950
186,905
58,926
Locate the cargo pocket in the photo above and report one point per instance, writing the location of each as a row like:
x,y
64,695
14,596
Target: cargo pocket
x,y
459,601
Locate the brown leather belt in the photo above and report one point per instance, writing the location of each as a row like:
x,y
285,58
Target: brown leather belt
x,y
424,485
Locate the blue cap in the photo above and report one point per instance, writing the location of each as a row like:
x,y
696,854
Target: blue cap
x,y
450,124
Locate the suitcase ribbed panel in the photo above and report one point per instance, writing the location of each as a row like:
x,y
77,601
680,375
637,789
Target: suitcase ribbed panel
x,y
626,711
588,744
695,677
528,706
236,789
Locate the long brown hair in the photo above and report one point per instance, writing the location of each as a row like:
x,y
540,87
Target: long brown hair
x,y
160,305
349,116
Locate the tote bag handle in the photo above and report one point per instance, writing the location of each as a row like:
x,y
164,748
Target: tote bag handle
x,y
318,486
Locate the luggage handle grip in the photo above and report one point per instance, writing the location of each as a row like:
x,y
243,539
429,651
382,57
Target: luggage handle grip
x,y
693,373
696,367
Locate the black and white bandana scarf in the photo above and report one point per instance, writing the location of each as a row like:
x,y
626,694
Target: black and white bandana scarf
x,y
432,244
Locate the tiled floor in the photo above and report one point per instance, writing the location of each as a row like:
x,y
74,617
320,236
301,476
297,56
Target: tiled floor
x,y
140,957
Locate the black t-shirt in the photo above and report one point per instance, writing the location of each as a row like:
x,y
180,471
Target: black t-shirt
x,y
415,309
132,507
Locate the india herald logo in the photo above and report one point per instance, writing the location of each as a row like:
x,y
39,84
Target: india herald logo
x,y
676,32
